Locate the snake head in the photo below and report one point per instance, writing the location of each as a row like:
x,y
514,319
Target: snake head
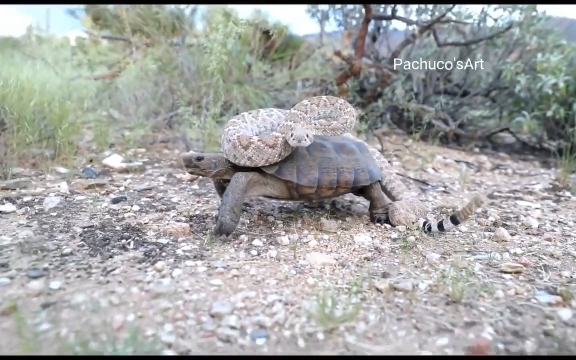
x,y
299,137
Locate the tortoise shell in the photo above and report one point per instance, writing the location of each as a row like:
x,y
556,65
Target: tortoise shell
x,y
330,166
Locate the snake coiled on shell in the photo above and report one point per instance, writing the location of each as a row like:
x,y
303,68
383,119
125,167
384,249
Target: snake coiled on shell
x,y
265,136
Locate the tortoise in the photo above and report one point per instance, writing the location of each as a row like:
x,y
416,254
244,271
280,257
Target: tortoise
x,y
331,166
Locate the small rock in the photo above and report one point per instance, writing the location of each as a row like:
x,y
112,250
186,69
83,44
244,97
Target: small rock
x,y
403,285
319,259
565,314
160,266
7,208
219,264
328,225
499,294
545,298
35,273
118,199
259,336
257,242
63,188
55,284
4,281
178,228
549,237
234,273
220,309
531,222
51,202
176,273
232,321
480,346
114,161
167,338
66,251
501,235
227,335
442,341
362,239
512,268
216,282
433,257
89,172
383,286
283,240
35,287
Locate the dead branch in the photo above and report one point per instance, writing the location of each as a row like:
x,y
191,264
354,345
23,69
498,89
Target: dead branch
x,y
109,37
355,66
469,42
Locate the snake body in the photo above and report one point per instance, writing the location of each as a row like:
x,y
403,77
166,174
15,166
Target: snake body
x,y
265,136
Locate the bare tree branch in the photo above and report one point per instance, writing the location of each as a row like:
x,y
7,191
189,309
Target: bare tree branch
x,y
470,42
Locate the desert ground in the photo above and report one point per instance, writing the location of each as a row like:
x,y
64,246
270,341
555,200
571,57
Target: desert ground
x,y
125,263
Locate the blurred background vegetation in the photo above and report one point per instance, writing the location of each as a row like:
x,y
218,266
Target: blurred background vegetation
x,y
148,74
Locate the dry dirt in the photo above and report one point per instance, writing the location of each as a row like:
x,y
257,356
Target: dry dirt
x,y
125,264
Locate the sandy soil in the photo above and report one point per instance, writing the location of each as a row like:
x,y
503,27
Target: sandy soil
x,y
125,263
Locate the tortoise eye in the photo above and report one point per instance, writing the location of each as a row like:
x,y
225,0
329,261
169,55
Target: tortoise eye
x,y
199,158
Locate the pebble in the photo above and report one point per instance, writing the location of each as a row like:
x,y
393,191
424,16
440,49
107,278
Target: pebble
x,y
35,273
66,251
501,235
283,240
51,202
55,284
433,257
257,242
216,282
234,272
227,335
35,287
545,298
403,285
160,266
259,336
176,273
232,321
7,208
220,309
89,172
218,264
565,314
118,199
4,281
362,239
319,259
531,222
512,268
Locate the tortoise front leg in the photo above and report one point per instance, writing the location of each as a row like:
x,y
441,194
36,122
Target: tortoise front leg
x,y
231,206
379,203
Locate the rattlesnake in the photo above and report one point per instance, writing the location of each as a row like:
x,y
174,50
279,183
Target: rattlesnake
x,y
265,136
406,209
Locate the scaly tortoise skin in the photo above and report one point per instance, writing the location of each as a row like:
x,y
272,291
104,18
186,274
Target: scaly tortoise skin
x,y
329,167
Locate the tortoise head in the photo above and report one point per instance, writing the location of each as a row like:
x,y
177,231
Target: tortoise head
x,y
299,137
210,165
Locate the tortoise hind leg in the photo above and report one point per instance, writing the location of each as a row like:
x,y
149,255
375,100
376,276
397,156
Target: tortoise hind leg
x,y
379,203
